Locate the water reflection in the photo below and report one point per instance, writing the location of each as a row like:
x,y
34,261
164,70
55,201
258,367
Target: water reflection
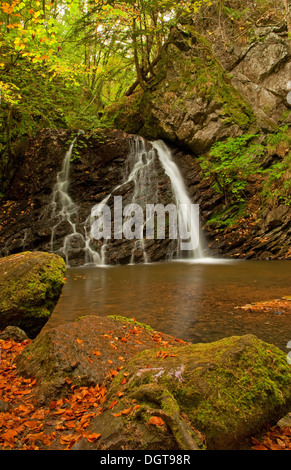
x,y
190,300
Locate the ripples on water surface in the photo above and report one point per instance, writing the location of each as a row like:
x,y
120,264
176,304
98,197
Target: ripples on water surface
x,y
192,301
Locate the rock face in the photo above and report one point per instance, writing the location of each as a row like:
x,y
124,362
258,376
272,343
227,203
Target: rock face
x,y
195,396
217,78
89,351
30,286
260,233
98,165
221,75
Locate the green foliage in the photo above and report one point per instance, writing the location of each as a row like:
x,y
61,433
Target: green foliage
x,y
277,186
229,163
226,217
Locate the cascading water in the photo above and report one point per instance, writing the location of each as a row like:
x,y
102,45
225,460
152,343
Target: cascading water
x,y
188,220
65,211
150,177
140,171
63,208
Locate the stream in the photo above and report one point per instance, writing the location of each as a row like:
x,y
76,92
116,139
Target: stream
x,y
191,300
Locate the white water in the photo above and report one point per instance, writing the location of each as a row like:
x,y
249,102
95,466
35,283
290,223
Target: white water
x,y
63,207
65,210
188,220
141,169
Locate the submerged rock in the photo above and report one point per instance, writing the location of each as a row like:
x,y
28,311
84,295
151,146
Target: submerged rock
x,y
225,391
30,286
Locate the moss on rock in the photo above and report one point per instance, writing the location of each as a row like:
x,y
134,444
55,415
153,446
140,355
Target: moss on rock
x,y
227,390
30,286
191,99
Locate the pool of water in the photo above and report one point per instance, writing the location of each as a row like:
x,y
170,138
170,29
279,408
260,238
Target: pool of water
x,y
194,301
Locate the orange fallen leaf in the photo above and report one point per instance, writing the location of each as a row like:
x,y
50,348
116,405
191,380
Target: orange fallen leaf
x,y
70,439
113,404
157,421
70,424
9,437
92,437
126,411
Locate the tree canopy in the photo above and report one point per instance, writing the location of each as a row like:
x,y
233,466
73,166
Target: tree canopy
x,y
63,61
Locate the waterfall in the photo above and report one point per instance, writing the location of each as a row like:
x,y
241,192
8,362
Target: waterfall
x,y
65,211
139,170
150,177
63,207
186,220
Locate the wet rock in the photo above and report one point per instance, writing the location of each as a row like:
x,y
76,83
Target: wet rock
x,y
93,176
30,286
211,395
88,352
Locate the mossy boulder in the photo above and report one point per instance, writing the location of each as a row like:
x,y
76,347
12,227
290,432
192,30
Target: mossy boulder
x,y
30,286
223,391
88,351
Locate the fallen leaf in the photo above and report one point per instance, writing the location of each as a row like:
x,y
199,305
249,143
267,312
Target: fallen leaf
x,y
113,404
113,372
157,421
92,437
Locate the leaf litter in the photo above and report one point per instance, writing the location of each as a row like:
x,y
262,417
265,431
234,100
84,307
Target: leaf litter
x,y
26,425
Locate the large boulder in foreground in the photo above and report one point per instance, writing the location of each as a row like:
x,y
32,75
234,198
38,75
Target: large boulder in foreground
x,y
225,391
30,286
86,352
